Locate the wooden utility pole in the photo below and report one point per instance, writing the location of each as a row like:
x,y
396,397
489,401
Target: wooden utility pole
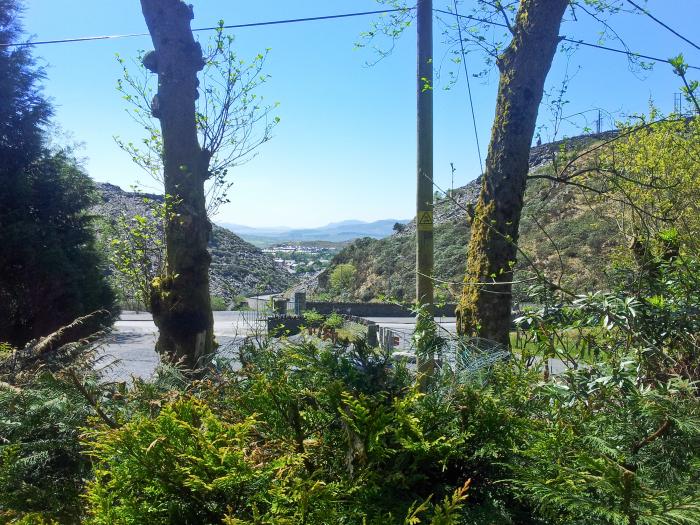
x,y
424,193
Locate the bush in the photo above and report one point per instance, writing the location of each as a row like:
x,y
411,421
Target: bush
x,y
334,321
301,435
42,412
342,278
609,448
313,319
218,304
186,466
41,464
318,434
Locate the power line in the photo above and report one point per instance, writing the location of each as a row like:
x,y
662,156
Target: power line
x,y
622,51
67,40
331,17
235,26
646,12
570,40
469,89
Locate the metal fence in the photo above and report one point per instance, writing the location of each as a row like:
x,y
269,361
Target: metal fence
x,y
395,339
254,316
463,356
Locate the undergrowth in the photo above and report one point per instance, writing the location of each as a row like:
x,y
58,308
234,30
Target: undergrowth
x,y
303,432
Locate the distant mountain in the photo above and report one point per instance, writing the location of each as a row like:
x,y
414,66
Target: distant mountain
x,y
237,267
240,229
350,222
334,232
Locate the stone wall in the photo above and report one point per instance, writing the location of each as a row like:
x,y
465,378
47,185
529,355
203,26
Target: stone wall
x,y
373,309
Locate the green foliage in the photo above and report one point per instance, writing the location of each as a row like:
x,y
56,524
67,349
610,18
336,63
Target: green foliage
x,y
313,319
334,321
616,440
316,433
190,467
136,247
650,172
43,407
307,433
301,435
425,336
218,304
652,312
50,269
690,87
613,447
342,278
41,465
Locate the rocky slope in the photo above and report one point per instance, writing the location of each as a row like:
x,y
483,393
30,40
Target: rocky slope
x,y
564,232
237,267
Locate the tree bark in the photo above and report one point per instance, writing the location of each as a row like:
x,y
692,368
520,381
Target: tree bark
x,y
485,306
180,300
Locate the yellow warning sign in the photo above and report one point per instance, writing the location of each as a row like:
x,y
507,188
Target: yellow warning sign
x,y
425,220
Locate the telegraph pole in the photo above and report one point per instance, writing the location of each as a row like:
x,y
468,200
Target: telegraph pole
x,y
424,193
424,190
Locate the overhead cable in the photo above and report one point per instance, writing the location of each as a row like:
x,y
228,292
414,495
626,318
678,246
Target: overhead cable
x,y
331,17
213,28
648,13
570,40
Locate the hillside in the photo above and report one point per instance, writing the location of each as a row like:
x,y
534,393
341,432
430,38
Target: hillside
x,y
237,267
561,228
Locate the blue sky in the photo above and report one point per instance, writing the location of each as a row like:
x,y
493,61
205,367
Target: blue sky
x,y
345,146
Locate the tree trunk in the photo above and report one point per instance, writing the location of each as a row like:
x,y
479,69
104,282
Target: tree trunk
x,y
180,300
485,306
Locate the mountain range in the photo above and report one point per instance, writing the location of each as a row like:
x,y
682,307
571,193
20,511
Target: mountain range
x,y
342,231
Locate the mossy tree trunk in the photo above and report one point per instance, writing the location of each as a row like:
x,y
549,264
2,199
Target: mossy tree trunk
x,y
485,306
180,300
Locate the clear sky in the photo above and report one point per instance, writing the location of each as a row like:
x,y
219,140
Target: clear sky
x,y
345,147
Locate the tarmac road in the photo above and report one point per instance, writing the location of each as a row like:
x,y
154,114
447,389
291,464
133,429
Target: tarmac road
x,y
131,345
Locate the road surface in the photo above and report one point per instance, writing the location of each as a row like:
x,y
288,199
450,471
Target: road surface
x,y
131,345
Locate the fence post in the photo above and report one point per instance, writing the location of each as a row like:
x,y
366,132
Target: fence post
x,y
299,303
372,335
280,306
388,343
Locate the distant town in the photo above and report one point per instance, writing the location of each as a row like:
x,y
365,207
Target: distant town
x,y
303,258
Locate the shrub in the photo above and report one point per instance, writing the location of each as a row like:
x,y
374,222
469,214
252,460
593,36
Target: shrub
x,y
313,319
48,393
218,304
186,465
301,435
609,447
342,278
41,463
334,321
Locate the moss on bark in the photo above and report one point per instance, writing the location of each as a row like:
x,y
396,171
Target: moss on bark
x,y
485,304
